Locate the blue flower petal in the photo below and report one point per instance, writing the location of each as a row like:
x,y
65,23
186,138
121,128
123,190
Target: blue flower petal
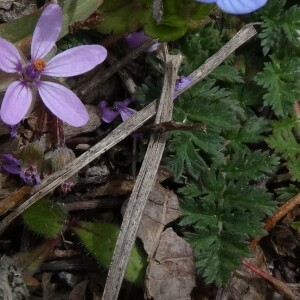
x,y
237,6
240,6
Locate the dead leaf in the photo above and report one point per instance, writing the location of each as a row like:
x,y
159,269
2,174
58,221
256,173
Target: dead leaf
x,y
162,207
78,292
171,273
171,270
48,287
115,188
244,284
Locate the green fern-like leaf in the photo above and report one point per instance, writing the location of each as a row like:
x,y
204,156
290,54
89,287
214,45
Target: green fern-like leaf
x,y
251,165
279,27
252,131
227,73
280,81
225,210
283,140
190,151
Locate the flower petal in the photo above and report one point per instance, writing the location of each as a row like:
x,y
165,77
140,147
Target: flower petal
x,y
240,6
125,102
10,164
125,112
108,115
16,103
206,1
75,61
237,6
46,31
63,103
136,39
10,58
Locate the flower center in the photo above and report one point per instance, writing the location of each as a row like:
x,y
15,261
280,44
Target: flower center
x,y
40,64
33,71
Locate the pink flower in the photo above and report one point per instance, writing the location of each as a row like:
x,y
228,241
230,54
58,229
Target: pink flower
x,y
36,75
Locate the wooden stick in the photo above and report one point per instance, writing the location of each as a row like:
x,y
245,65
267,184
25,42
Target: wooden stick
x,y
143,184
125,129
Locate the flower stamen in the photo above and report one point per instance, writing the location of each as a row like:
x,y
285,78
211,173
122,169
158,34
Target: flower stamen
x,y
40,64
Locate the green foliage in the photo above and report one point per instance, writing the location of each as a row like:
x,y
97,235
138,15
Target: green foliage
x,y
124,16
224,167
46,217
196,50
251,165
284,142
280,79
100,240
193,150
225,210
287,192
250,132
279,27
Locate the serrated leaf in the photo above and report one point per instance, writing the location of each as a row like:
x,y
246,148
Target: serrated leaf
x,y
287,192
227,73
279,26
192,150
46,217
250,132
211,105
280,81
224,214
250,165
283,140
100,240
184,155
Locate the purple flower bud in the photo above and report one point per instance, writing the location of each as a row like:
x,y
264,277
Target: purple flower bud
x,y
59,159
30,175
32,158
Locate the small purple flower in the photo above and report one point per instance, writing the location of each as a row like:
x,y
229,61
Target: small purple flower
x,y
180,84
30,175
12,165
136,39
237,6
36,74
120,108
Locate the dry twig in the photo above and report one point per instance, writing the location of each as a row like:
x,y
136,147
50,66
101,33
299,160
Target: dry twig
x,y
144,182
